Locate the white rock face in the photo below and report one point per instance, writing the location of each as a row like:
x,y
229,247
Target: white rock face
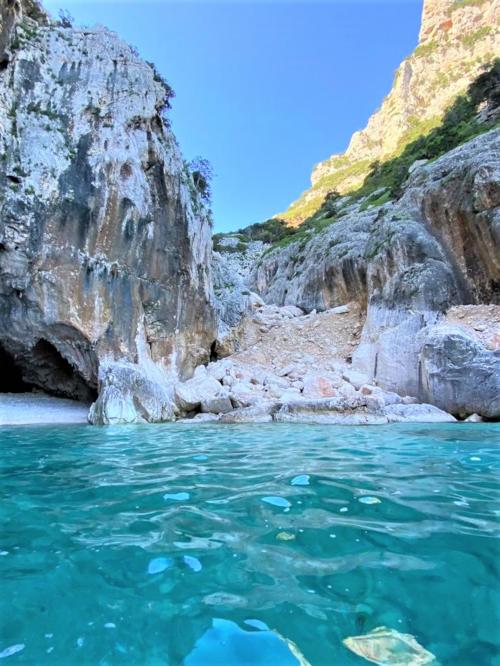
x,y
233,297
408,262
458,372
105,246
456,40
129,394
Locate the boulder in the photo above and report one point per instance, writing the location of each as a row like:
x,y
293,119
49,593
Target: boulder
x,y
458,374
291,311
388,647
244,394
189,395
474,418
220,369
200,418
319,386
340,309
385,397
260,413
420,413
128,394
357,379
219,404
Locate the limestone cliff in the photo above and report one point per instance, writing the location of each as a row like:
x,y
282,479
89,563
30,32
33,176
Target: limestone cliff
x,y
407,263
457,38
105,281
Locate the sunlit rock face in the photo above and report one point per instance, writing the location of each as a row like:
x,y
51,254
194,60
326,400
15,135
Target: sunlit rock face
x,y
407,263
456,40
104,243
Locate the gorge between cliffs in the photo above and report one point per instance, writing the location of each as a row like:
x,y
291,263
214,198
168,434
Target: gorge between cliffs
x,y
110,292
270,446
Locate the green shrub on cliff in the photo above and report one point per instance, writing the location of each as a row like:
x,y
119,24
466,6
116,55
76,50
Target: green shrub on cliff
x,y
460,124
458,4
470,40
202,174
220,246
270,231
385,179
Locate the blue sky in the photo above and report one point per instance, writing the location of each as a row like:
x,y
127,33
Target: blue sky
x,y
265,89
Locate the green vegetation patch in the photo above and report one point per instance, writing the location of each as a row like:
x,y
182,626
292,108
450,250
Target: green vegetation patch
x,y
425,49
470,40
376,200
328,183
458,4
424,140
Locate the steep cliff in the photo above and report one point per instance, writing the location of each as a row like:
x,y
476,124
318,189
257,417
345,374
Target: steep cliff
x,y
105,281
457,38
406,263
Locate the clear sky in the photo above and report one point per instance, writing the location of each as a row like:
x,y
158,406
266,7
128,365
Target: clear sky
x,y
265,89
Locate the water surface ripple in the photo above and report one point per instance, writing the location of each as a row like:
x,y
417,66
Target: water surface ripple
x,y
125,545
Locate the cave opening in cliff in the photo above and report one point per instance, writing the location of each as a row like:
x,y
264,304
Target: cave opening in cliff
x,y
43,368
11,374
52,373
214,357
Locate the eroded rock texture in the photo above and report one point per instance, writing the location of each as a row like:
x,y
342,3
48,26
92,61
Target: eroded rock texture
x,y
407,263
458,372
104,244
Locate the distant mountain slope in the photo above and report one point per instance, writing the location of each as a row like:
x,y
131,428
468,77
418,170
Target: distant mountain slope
x,y
457,38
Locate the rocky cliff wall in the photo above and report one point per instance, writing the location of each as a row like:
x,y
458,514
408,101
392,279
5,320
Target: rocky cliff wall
x,y
407,263
104,243
456,40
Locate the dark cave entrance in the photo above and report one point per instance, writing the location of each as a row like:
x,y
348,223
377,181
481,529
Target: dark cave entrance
x,y
11,375
213,352
43,368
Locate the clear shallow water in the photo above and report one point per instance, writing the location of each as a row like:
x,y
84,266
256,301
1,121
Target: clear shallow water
x,y
153,545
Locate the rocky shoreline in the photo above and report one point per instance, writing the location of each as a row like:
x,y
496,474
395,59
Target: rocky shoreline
x,y
283,372
110,293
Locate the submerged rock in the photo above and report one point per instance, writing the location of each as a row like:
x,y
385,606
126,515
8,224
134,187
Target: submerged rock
x,y
301,480
388,647
226,643
285,536
159,565
193,563
280,502
176,497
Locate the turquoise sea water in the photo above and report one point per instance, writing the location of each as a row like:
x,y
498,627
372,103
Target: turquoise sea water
x,y
215,545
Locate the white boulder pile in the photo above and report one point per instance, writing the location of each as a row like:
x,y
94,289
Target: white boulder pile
x,y
231,391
